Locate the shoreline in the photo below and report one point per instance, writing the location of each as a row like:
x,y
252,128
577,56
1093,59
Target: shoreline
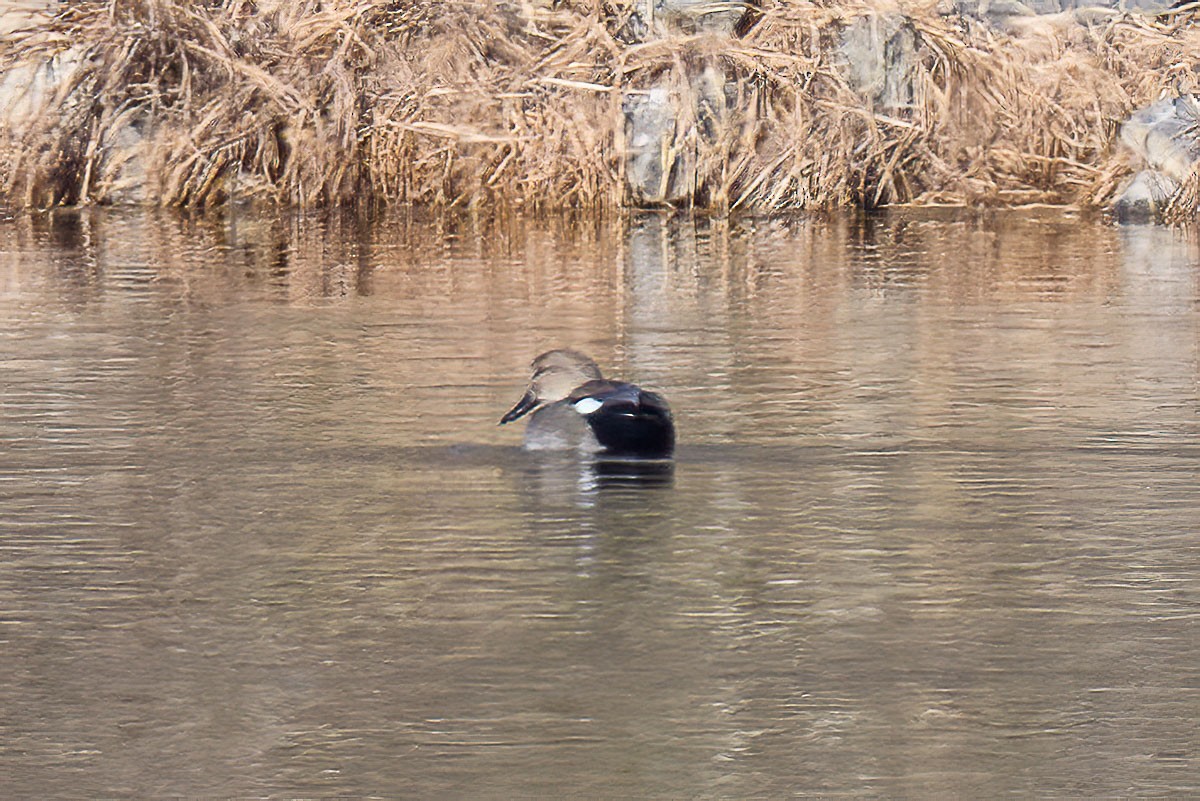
x,y
536,105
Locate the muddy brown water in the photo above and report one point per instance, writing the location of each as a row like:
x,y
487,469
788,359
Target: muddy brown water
x,y
933,529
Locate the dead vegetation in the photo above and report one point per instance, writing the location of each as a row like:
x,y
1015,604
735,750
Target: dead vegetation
x,y
519,104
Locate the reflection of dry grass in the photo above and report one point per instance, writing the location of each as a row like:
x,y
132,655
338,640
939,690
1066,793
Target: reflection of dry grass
x,y
519,104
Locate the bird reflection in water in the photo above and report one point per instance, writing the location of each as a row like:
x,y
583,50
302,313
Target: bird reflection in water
x,y
583,482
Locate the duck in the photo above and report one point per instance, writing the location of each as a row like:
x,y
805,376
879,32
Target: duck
x,y
572,406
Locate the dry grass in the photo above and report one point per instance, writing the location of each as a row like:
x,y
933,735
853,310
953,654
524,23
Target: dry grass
x,y
518,104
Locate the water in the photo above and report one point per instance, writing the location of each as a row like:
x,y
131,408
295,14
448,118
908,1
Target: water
x,y
932,529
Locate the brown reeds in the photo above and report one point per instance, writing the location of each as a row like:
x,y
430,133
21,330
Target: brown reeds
x,y
520,104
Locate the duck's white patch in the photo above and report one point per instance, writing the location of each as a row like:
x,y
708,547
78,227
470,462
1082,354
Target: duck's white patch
x,y
587,405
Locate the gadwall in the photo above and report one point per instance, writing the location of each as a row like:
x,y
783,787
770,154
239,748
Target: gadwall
x,y
574,407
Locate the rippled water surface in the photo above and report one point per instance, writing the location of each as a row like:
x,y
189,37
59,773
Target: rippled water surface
x,y
933,529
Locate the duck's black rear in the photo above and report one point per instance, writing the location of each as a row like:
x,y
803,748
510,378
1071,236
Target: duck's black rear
x,y
630,421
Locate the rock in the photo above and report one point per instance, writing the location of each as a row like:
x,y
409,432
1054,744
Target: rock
x,y
1015,8
18,14
703,16
661,157
880,52
126,164
1144,198
649,133
657,169
1166,134
656,18
987,8
1137,127
26,88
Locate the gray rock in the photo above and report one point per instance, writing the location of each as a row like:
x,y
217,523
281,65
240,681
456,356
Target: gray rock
x,y
1016,8
27,88
1137,127
1145,197
649,135
661,159
16,14
880,59
126,163
656,18
1166,135
657,169
987,8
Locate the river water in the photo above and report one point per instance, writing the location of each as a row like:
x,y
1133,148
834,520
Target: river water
x,y
933,529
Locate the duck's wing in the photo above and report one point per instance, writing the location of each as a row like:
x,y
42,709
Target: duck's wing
x,y
656,403
589,397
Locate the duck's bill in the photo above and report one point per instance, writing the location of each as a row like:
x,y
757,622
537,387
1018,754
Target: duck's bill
x,y
524,406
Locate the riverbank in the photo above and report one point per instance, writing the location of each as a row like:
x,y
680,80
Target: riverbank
x,y
540,105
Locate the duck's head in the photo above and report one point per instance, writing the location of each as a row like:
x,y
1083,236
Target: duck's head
x,y
555,374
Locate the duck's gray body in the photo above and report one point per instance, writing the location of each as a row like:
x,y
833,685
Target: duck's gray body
x,y
558,427
575,409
